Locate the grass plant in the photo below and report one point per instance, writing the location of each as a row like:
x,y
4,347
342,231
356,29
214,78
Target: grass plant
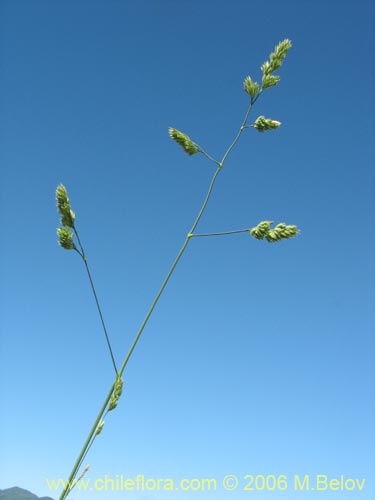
x,y
69,238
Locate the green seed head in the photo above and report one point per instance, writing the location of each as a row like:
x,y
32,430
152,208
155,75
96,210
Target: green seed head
x,y
279,232
270,81
184,141
117,391
261,229
65,238
63,205
276,57
262,124
250,87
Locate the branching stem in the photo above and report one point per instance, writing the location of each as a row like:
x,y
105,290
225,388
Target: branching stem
x,y
208,156
92,435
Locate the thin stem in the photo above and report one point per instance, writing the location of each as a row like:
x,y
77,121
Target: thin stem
x,y
79,253
243,125
221,233
208,156
170,272
87,445
254,99
83,255
92,435
196,222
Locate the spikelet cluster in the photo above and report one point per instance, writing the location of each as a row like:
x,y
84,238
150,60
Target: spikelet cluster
x,y
268,68
279,232
64,232
262,124
276,58
117,391
65,238
270,81
250,87
63,205
184,141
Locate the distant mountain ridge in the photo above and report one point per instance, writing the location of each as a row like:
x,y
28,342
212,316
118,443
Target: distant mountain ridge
x,y
16,493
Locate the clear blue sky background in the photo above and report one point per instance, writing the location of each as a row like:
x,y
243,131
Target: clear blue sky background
x,y
259,358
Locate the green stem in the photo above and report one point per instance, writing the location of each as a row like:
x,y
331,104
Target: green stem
x,y
83,255
242,128
208,156
92,435
221,233
88,446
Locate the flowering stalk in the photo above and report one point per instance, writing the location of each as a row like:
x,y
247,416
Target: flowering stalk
x,y
263,230
66,233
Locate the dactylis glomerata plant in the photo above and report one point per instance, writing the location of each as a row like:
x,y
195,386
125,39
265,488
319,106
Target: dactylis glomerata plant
x,y
69,237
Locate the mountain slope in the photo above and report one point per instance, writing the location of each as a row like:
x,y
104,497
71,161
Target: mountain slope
x,y
19,494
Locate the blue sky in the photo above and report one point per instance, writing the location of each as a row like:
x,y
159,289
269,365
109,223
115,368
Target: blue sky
x,y
258,358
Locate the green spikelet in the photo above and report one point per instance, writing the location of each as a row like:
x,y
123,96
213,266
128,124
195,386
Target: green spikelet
x,y
261,229
276,57
99,428
117,391
184,141
63,205
262,124
279,232
270,81
65,238
250,87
